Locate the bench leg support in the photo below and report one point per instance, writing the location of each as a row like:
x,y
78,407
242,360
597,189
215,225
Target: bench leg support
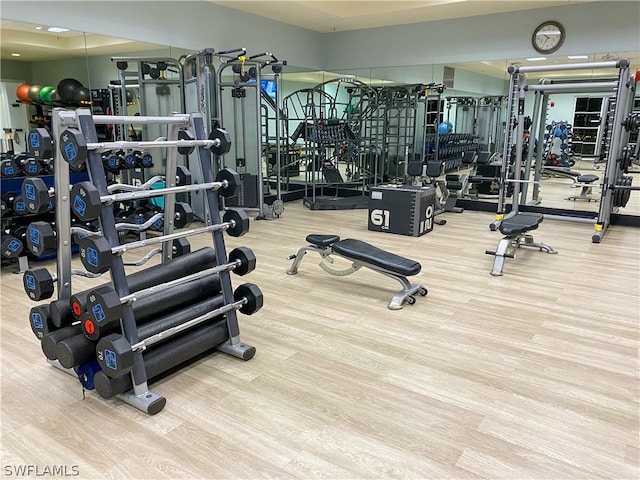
x,y
508,246
297,258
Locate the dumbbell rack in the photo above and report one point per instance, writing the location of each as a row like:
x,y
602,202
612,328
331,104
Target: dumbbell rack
x,y
82,119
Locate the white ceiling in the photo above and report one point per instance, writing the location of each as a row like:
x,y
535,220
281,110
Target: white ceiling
x,y
332,16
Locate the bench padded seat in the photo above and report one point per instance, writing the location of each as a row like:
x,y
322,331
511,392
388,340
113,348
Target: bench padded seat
x,y
589,178
365,252
520,223
322,240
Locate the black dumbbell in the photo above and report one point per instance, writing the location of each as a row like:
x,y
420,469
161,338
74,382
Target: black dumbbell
x,y
37,195
183,217
40,320
115,354
9,168
143,159
114,160
11,247
28,165
48,165
20,232
38,283
41,238
129,160
15,203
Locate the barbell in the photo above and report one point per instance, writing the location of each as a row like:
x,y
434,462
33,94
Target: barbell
x,y
96,254
74,147
115,354
105,307
38,196
38,282
86,201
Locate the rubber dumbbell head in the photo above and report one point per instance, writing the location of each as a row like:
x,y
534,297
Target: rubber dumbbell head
x,y
247,260
85,201
95,254
11,247
183,175
241,222
40,321
38,284
221,141
253,296
234,182
41,238
188,136
37,195
183,215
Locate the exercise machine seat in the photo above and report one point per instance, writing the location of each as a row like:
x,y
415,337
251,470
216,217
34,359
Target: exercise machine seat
x,y
322,240
365,252
589,178
520,223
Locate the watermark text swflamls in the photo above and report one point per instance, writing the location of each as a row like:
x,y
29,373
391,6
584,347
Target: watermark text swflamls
x,y
31,470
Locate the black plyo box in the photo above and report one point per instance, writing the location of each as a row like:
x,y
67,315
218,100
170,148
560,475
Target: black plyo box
x,y
402,209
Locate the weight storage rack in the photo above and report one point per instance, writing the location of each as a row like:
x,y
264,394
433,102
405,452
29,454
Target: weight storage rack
x,y
80,124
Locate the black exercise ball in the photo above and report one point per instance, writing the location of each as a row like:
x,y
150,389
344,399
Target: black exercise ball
x,y
82,96
67,89
34,94
55,98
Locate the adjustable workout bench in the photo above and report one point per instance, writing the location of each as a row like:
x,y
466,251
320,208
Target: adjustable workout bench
x,y
362,254
515,230
585,181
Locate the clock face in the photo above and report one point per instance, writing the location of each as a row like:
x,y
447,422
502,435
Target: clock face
x,y
548,37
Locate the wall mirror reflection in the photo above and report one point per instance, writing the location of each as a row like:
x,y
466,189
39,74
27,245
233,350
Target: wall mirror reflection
x,y
452,113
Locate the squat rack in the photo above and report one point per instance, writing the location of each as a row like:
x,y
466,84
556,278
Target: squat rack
x,y
540,108
624,93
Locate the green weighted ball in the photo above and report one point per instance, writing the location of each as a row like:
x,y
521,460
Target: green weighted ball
x,y
45,94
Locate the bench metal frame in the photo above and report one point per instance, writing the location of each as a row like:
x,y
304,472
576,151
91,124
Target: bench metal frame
x,y
405,295
508,246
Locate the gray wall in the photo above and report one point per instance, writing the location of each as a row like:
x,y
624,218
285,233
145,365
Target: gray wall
x,y
593,27
185,24
13,70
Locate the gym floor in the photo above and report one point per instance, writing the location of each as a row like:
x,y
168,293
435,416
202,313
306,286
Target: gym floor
x,y
530,375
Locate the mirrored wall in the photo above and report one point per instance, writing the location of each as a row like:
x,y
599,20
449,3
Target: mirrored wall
x,y
34,55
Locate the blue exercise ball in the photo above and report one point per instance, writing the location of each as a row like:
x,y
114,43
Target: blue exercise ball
x,y
444,127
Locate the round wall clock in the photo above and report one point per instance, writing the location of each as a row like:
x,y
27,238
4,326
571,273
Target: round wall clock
x,y
548,37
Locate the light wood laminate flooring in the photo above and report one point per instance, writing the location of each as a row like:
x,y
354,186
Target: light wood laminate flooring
x,y
532,375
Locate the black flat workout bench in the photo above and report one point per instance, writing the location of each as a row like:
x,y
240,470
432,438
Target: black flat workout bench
x,y
363,254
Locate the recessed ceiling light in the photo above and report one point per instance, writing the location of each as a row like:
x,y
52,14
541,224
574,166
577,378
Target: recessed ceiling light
x,y
536,59
574,57
15,54
57,29
38,27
